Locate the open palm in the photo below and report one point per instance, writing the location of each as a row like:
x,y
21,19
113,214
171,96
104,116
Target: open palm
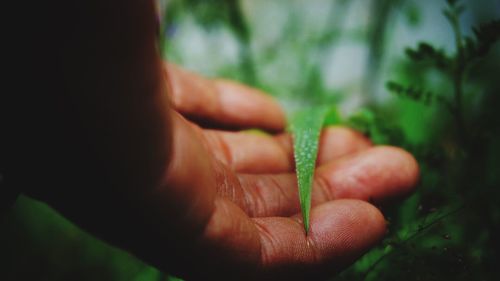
x,y
233,196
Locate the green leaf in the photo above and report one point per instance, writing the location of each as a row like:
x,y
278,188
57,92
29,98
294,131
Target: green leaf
x,y
306,127
172,278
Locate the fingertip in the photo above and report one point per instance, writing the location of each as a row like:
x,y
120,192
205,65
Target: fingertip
x,y
337,141
378,174
341,231
344,230
346,226
407,171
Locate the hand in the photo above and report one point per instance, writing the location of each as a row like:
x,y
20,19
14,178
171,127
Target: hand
x,y
233,199
93,132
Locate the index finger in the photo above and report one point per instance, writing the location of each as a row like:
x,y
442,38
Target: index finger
x,y
219,103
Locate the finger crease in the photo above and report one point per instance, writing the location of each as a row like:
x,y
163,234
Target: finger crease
x,y
313,250
220,148
267,242
324,188
260,202
248,198
282,198
225,150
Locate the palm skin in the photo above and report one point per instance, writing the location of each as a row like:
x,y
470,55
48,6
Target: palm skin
x,y
240,193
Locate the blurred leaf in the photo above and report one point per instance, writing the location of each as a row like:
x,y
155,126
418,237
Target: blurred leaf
x,y
425,52
414,93
362,121
412,14
172,278
148,274
332,117
486,35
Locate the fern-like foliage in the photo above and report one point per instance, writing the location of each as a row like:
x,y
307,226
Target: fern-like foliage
x,y
486,35
454,66
448,161
411,92
425,52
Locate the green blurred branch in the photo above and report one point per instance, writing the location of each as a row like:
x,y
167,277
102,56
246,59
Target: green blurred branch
x,y
453,14
242,30
389,249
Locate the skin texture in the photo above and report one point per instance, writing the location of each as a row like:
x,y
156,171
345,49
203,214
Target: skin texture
x,y
255,225
138,153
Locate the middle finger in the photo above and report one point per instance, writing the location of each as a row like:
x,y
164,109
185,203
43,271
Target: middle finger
x,y
257,153
376,174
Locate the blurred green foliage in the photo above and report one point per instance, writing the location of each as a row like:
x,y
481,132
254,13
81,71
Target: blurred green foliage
x,y
428,83
36,243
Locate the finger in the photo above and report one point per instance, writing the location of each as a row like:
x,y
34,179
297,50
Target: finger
x,y
341,231
340,141
377,175
278,248
335,142
221,103
248,152
260,153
